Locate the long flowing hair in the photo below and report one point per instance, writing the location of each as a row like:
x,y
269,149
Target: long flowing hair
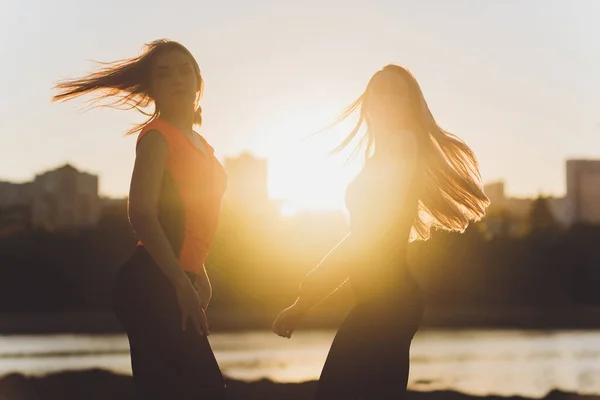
x,y
126,84
451,192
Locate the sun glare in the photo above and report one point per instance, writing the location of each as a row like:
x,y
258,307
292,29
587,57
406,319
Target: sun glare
x,y
301,172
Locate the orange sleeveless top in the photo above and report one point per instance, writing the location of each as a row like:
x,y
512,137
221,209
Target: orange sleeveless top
x,y
192,188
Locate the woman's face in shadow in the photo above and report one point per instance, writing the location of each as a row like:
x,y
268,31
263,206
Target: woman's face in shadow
x,y
174,82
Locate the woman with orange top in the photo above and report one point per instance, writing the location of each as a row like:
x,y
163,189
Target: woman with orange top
x,y
162,292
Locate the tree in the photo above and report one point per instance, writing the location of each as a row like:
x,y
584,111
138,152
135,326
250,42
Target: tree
x,y
541,218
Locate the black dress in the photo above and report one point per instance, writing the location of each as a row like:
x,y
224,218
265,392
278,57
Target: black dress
x,y
369,357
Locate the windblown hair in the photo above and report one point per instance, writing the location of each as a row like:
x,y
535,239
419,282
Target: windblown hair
x,y
126,84
451,192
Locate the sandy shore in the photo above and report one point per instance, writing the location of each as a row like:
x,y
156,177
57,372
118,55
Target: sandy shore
x,y
102,385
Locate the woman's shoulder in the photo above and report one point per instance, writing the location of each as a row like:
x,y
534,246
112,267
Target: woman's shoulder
x,y
159,126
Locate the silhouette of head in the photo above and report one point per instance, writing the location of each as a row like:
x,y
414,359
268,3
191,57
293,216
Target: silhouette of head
x,y
164,74
393,99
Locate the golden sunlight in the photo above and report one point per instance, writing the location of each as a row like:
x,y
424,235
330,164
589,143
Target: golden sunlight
x,y
301,172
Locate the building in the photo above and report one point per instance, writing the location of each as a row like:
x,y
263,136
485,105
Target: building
x,y
15,194
581,203
66,198
63,198
517,208
248,184
583,191
511,214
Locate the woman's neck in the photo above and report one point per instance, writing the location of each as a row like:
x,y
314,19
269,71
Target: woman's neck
x,y
182,119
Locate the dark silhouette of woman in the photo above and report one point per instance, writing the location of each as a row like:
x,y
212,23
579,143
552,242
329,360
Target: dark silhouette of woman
x,y
415,177
162,292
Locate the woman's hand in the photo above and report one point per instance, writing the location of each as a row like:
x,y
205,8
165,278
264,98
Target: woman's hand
x,y
191,308
287,321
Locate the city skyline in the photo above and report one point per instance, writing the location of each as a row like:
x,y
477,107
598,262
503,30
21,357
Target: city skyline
x,y
517,81
246,165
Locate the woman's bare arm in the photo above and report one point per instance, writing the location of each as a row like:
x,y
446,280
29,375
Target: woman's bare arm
x,y
151,156
333,271
329,275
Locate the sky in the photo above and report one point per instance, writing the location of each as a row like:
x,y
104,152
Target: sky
x,y
517,80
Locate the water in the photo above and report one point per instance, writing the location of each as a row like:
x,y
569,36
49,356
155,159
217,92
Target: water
x,y
477,362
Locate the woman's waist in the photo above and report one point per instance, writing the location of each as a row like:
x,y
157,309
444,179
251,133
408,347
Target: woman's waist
x,y
190,254
189,241
393,276
143,270
380,256
393,281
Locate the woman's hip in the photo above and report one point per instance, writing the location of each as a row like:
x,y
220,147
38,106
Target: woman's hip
x,y
140,286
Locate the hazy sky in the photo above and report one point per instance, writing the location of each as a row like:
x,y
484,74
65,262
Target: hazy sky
x,y
518,80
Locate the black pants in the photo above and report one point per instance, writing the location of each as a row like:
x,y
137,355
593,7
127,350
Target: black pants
x,y
167,362
369,357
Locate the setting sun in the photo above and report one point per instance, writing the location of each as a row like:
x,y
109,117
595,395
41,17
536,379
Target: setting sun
x,y
301,172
